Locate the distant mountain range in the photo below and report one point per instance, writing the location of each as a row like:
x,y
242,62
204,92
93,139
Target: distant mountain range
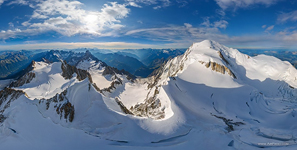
x,y
290,56
13,62
138,62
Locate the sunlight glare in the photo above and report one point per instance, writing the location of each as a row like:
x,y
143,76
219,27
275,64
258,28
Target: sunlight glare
x,y
91,22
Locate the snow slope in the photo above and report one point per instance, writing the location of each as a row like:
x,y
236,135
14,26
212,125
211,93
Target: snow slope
x,y
4,83
96,70
48,81
212,97
261,97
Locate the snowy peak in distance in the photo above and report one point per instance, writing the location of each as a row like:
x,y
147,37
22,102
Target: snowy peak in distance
x,y
261,67
88,56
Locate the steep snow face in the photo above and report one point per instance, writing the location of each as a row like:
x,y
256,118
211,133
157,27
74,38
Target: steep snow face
x,y
252,104
216,65
202,63
48,81
260,67
96,70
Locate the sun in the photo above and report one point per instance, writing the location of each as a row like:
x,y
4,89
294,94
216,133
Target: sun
x,y
91,18
91,23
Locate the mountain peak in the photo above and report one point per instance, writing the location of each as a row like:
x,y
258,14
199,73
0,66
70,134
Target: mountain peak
x,y
88,52
208,44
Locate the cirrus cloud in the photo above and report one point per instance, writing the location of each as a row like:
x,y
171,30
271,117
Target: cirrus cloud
x,y
225,4
290,16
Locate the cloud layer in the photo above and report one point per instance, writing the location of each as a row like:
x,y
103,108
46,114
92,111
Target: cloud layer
x,y
63,45
71,18
68,19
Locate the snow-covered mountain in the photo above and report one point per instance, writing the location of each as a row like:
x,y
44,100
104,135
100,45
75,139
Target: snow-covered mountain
x,y
211,97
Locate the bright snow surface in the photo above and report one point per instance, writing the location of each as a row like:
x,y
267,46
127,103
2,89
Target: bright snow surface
x,y
48,81
199,105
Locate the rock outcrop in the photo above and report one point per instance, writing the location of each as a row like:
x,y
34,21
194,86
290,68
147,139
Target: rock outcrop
x,y
61,105
112,71
151,107
219,68
123,108
26,78
68,71
8,95
117,81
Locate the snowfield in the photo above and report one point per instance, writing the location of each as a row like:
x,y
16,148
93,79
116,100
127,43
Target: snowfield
x,y
48,81
213,97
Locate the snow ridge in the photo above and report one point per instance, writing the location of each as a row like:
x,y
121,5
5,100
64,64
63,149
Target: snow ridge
x,y
210,93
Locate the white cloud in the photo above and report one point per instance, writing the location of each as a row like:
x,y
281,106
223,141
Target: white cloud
x,y
225,4
217,24
269,28
289,37
184,36
147,2
182,3
290,16
61,45
221,24
68,18
134,4
159,3
19,2
264,26
187,25
1,2
178,34
157,7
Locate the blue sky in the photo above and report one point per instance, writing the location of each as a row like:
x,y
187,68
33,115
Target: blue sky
x,y
47,24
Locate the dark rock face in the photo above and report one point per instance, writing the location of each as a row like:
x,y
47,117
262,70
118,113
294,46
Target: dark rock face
x,y
112,71
219,68
8,95
223,58
68,110
151,108
111,87
68,71
62,105
123,108
27,76
117,81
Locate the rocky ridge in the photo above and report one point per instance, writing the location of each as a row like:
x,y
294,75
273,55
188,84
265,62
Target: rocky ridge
x,y
61,104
